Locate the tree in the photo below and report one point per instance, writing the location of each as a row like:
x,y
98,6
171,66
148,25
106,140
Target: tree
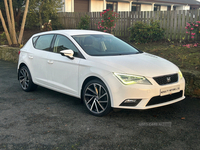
x,y
23,22
11,35
5,28
18,8
43,10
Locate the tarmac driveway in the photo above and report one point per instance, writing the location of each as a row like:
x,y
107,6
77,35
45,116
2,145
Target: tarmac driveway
x,y
45,119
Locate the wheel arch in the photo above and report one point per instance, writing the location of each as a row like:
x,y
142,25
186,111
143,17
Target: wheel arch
x,y
98,77
109,106
93,77
86,81
21,65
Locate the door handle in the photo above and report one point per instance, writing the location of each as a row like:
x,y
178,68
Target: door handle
x,y
31,57
50,62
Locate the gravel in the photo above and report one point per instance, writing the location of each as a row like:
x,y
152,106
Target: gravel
x,y
45,119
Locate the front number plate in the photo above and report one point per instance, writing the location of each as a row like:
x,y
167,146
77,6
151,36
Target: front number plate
x,y
170,90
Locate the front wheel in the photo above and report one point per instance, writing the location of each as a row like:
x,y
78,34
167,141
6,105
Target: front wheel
x,y
25,79
96,98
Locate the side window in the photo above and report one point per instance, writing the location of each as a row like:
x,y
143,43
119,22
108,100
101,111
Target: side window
x,y
63,43
44,42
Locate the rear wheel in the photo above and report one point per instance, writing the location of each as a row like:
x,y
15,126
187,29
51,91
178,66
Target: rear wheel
x,y
25,79
96,98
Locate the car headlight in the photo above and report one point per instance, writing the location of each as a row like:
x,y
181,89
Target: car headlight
x,y
180,74
132,79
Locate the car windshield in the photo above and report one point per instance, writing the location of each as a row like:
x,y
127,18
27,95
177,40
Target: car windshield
x,y
104,45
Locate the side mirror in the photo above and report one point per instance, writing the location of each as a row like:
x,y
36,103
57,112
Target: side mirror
x,y
69,53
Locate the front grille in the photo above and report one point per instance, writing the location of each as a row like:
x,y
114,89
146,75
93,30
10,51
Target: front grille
x,y
163,80
163,99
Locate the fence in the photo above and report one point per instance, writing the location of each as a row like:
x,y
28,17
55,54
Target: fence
x,y
173,22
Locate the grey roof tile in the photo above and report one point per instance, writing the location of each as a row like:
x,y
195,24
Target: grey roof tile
x,y
189,2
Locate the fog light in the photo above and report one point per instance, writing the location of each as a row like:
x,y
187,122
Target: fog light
x,y
130,102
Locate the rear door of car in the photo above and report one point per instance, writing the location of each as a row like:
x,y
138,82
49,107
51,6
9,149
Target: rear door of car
x,y
38,58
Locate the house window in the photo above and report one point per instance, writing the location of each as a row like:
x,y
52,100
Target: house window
x,y
135,7
168,7
174,8
111,6
157,8
193,8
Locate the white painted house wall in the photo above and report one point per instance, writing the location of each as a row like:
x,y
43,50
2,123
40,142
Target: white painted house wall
x,y
183,8
145,7
123,6
67,6
96,5
186,7
163,8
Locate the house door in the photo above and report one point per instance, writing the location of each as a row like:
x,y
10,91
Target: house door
x,y
81,5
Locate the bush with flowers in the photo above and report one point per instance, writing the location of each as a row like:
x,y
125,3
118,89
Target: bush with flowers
x,y
193,29
108,21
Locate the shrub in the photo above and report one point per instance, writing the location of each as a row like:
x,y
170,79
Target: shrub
x,y
84,23
193,29
32,21
108,21
143,33
47,26
3,39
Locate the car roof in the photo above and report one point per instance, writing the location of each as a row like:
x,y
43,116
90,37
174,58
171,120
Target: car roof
x,y
71,32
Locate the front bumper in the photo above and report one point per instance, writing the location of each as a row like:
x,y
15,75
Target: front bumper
x,y
149,96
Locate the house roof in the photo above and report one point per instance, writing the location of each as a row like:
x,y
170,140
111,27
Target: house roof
x,y
181,2
170,2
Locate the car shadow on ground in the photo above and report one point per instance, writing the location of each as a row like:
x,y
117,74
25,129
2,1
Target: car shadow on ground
x,y
164,112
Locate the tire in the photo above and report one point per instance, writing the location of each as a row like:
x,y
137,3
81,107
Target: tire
x,y
96,98
25,79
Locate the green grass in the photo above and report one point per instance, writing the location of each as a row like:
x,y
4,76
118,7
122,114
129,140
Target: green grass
x,y
184,58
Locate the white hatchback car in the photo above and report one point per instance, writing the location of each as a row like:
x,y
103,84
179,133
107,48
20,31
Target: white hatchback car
x,y
102,70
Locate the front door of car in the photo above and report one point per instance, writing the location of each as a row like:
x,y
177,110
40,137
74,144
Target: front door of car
x,y
63,71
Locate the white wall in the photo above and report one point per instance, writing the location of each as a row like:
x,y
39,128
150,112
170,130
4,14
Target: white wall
x,y
96,5
186,7
179,8
67,5
183,8
163,8
145,7
123,6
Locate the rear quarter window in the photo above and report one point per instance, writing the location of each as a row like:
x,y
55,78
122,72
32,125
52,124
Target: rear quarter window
x,y
43,42
34,39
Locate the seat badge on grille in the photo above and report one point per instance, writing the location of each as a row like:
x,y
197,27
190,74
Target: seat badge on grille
x,y
168,79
